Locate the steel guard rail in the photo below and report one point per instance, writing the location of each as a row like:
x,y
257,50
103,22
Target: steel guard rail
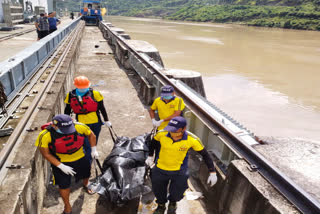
x,y
16,71
294,193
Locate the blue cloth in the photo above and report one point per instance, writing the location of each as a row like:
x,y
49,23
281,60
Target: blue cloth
x,y
96,128
53,23
160,181
81,92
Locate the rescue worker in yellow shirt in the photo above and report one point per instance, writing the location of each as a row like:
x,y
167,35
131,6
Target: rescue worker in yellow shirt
x,y
87,104
168,106
61,143
171,147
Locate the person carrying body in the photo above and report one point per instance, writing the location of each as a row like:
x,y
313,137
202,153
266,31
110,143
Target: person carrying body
x,y
42,26
87,104
61,143
168,106
53,22
171,147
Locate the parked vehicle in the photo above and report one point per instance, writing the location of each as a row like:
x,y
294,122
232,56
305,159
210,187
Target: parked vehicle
x,y
91,12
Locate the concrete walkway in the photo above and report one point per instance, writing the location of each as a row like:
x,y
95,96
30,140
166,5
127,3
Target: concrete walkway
x,y
128,116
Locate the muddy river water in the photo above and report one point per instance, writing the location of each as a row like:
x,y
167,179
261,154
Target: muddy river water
x,y
267,79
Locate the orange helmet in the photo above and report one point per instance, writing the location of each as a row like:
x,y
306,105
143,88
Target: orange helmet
x,y
81,82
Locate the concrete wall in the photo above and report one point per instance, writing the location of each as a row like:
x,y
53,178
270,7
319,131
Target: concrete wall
x,y
241,192
23,190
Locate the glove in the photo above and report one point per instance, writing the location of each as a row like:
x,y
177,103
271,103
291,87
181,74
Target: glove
x,y
66,169
158,123
108,123
212,179
149,161
94,152
154,122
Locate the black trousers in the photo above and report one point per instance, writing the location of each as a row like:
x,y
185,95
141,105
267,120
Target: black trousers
x,y
52,30
82,168
43,34
178,184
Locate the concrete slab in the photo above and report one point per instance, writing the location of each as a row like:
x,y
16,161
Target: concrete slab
x,y
128,116
147,48
299,159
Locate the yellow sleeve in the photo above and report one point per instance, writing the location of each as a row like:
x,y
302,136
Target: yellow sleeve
x,y
67,99
180,104
154,105
160,134
43,139
82,129
197,144
97,96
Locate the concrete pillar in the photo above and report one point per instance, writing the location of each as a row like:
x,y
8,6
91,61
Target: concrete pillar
x,y
192,78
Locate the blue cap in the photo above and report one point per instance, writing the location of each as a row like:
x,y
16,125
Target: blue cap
x,y
64,123
167,90
175,124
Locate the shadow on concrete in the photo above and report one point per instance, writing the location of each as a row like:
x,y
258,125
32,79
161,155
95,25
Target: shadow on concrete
x,y
51,197
104,206
78,203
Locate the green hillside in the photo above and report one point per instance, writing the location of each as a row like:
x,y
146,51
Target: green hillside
x,y
295,14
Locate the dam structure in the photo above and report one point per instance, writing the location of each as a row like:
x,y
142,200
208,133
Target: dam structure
x,y
129,74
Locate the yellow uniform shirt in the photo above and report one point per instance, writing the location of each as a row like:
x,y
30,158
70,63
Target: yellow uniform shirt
x,y
91,117
173,156
44,139
165,110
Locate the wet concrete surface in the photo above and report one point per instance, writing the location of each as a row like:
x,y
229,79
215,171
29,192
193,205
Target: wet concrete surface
x,y
16,44
129,117
299,159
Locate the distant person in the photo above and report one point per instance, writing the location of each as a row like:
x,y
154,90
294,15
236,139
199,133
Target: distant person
x,y
72,15
42,26
53,22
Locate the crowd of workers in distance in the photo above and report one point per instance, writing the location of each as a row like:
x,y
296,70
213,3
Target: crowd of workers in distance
x,y
71,146
46,24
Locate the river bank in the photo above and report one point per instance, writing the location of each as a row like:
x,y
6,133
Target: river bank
x,y
304,15
301,17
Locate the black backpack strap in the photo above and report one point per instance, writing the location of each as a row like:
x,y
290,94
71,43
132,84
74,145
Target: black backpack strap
x,y
90,93
53,139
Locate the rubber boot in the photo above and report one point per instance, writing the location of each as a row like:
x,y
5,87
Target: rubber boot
x,y
160,209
